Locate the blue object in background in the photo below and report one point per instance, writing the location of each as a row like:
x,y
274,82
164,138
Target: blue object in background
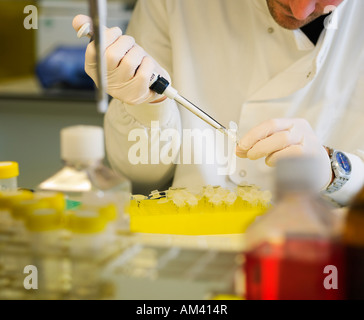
x,y
64,67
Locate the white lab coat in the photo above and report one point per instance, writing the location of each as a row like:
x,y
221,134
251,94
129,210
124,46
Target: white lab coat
x,y
231,59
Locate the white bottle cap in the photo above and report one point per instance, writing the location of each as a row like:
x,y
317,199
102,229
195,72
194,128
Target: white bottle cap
x,y
82,143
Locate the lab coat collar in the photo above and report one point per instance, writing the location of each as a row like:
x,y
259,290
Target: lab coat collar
x,y
302,41
303,71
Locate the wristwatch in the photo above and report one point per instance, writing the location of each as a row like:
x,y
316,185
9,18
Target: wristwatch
x,y
341,166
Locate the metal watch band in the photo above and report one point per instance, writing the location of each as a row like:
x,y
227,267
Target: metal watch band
x,y
339,178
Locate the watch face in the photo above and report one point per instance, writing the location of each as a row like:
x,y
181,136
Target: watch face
x,y
344,162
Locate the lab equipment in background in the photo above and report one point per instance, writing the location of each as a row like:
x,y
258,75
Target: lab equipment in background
x,y
64,69
9,172
354,248
55,31
55,22
84,177
288,249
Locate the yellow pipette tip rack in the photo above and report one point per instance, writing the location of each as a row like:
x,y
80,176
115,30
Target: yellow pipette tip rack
x,y
212,211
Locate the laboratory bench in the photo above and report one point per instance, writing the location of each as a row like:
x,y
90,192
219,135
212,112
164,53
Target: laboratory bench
x,y
148,266
181,267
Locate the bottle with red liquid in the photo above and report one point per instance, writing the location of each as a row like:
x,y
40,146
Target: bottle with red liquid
x,y
294,252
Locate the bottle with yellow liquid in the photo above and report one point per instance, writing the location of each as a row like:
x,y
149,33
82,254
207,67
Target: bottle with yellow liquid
x,y
354,248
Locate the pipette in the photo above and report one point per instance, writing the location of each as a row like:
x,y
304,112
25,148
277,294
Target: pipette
x,y
98,15
161,86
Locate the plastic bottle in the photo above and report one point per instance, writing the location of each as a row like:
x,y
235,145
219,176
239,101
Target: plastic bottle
x,y
91,245
23,239
49,252
354,248
9,172
294,251
82,151
13,244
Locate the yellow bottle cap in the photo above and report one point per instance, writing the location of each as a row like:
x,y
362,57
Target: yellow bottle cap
x,y
22,209
43,219
9,198
85,221
8,169
55,200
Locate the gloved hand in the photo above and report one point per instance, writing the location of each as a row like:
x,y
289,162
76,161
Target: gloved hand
x,y
129,67
278,138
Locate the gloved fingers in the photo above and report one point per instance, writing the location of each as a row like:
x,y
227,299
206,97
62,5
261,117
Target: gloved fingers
x,y
115,53
241,153
136,90
276,142
80,20
111,35
296,150
130,63
264,130
143,76
162,72
83,26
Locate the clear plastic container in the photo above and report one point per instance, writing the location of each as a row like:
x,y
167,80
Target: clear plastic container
x,y
9,172
40,200
14,246
31,234
289,247
49,253
91,245
82,151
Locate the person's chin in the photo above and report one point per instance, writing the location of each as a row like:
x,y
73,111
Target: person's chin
x,y
292,23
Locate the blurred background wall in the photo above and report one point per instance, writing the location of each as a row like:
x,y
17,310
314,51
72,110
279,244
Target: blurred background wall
x,y
32,115
17,54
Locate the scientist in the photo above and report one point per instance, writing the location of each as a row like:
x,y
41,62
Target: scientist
x,y
290,73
